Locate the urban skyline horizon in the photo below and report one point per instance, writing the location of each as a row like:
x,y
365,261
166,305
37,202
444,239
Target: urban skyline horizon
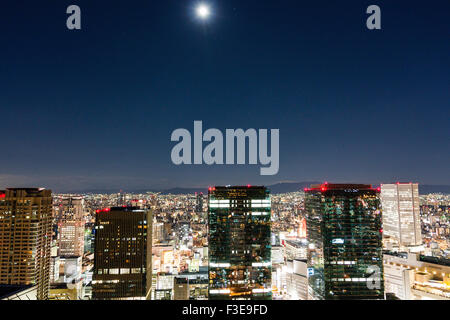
x,y
279,187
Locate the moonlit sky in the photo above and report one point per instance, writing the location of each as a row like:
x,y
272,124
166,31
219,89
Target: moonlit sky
x,y
95,108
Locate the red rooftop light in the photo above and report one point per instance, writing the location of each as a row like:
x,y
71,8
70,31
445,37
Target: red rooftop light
x,y
248,186
2,195
323,189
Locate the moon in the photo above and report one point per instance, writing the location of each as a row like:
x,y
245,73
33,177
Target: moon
x,y
203,11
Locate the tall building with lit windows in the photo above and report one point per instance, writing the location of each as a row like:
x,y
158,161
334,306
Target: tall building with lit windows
x,y
199,202
69,214
344,235
25,238
123,254
401,214
239,243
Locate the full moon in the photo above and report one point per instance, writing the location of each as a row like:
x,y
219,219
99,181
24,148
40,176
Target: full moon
x,y
203,11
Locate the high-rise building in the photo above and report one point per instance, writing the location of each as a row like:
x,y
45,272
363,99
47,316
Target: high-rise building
x,y
344,242
401,214
158,232
297,279
123,254
239,239
70,220
25,238
199,202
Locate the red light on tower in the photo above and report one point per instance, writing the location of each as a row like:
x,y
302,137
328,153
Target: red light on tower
x,y
323,189
249,186
379,189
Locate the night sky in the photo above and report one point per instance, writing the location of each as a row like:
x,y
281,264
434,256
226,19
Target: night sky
x,y
95,108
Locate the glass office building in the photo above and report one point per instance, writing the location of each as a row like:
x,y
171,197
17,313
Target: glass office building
x,y
239,243
344,242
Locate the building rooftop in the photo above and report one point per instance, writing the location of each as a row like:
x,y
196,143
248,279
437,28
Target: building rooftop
x,y
340,186
9,290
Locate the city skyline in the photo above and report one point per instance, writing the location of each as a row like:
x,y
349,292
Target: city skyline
x,y
328,241
351,104
224,154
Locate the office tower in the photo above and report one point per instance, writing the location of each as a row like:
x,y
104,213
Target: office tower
x,y
302,228
401,214
344,242
25,238
297,279
199,202
70,219
121,199
89,239
158,232
123,254
239,243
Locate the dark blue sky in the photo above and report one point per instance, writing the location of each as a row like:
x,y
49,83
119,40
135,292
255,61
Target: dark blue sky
x,y
95,108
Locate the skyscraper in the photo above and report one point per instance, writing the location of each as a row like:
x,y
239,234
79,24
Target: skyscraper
x,y
401,213
199,202
123,254
345,242
70,220
25,238
239,243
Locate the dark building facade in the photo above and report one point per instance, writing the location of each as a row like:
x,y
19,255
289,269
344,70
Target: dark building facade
x,y
123,254
344,230
239,237
199,202
25,238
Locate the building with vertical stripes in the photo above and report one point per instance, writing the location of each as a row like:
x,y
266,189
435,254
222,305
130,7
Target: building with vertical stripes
x,y
25,238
